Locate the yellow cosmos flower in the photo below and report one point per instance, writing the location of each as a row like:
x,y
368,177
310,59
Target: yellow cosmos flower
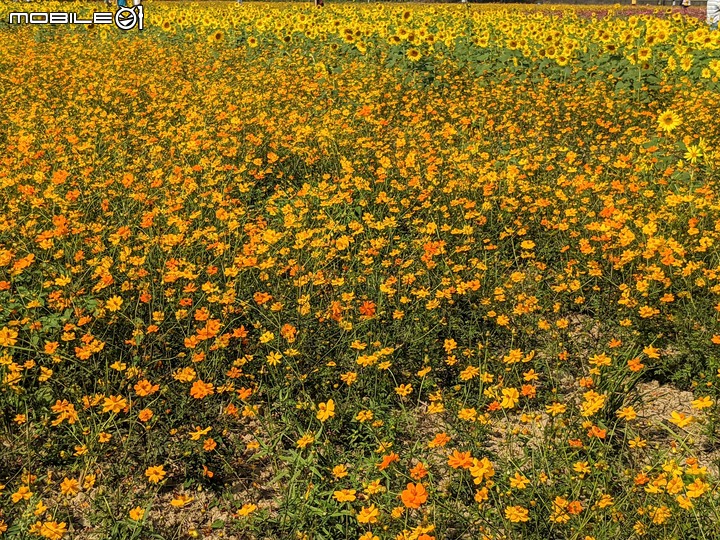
x,y
702,402
247,509
155,474
52,530
326,410
626,413
305,440
517,514
345,495
404,390
8,337
681,420
510,398
368,514
114,304
181,500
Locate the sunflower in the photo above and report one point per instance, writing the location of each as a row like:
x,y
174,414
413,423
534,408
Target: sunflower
x,y
669,120
414,55
644,54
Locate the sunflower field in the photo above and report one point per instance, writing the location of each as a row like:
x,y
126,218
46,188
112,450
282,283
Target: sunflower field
x,y
365,272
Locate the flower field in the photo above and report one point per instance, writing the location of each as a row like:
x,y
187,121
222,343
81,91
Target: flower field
x,y
368,272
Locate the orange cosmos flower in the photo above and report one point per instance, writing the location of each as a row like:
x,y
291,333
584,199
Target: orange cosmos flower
x,y
459,460
210,330
387,460
201,389
145,388
635,364
262,297
367,309
574,507
414,495
441,439
418,472
209,444
288,331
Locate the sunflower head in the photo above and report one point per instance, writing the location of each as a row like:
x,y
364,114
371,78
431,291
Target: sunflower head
x,y
669,120
413,54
